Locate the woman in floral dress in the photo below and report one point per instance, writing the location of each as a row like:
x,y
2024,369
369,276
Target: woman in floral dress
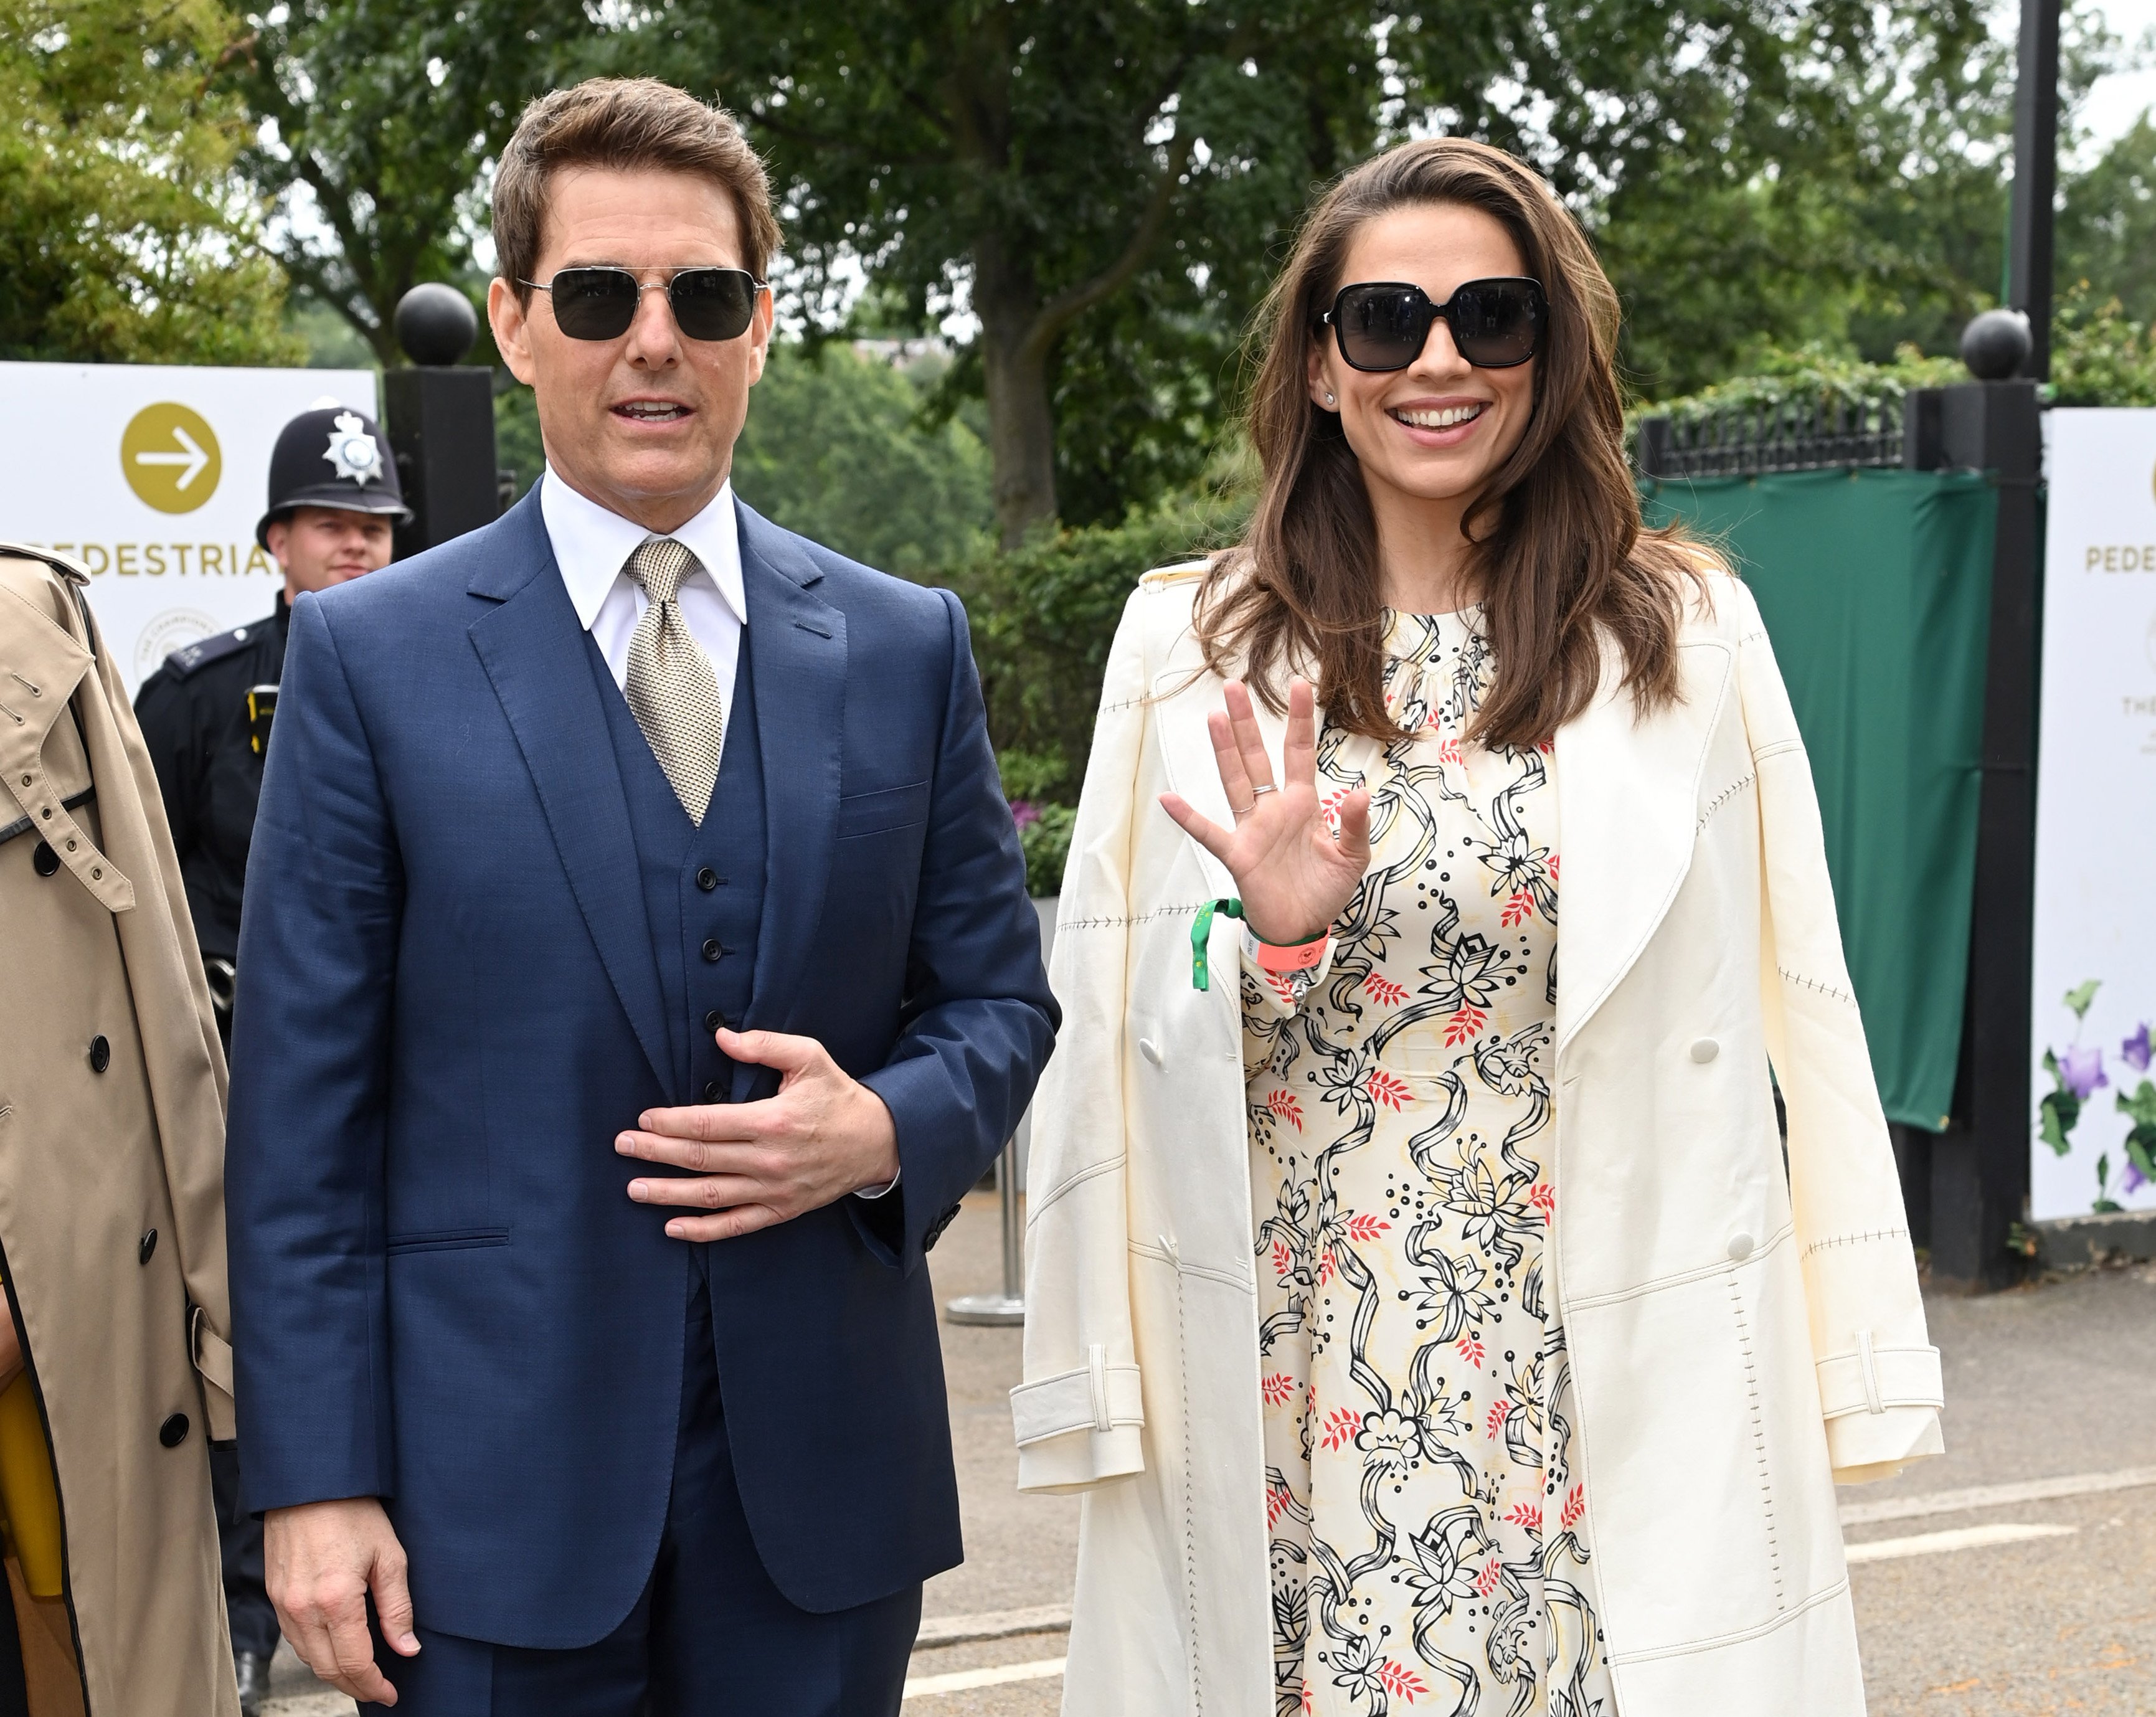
x,y
1427,1525
1466,1340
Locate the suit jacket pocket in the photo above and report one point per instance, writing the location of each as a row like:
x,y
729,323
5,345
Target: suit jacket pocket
x,y
887,807
448,1240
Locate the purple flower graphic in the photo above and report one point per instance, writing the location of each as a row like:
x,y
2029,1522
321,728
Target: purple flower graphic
x,y
2133,1180
2135,1049
2081,1070
1024,813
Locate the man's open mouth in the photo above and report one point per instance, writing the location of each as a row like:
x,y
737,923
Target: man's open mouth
x,y
651,411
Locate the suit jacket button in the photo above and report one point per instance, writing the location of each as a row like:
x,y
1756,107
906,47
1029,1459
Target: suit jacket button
x,y
101,1054
44,858
707,879
147,1245
710,1090
173,1432
1151,1050
711,949
1740,1247
1706,1050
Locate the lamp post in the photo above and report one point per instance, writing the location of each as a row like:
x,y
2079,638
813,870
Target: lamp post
x,y
2035,179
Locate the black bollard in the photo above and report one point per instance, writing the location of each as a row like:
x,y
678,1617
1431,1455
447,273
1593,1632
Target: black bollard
x,y
440,419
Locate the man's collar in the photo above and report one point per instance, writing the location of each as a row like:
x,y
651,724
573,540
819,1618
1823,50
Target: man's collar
x,y
591,545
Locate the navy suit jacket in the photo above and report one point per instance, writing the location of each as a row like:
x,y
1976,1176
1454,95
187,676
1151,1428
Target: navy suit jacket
x,y
449,1004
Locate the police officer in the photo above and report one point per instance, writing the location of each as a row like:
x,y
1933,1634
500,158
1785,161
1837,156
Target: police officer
x,y
206,715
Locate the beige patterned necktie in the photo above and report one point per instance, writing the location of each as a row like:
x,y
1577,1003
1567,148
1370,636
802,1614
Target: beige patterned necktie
x,y
671,689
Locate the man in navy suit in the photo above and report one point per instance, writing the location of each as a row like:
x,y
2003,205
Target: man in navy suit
x,y
637,969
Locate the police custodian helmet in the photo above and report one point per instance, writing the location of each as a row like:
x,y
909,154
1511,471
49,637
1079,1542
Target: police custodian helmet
x,y
333,457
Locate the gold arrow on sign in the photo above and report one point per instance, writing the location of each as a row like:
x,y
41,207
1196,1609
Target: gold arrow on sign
x,y
191,456
169,457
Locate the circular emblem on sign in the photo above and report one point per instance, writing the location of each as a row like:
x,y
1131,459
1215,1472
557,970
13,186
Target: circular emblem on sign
x,y
173,630
170,458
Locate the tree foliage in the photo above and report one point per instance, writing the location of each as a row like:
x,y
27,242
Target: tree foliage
x,y
383,118
122,238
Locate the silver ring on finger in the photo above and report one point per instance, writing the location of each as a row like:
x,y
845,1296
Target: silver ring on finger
x,y
1256,791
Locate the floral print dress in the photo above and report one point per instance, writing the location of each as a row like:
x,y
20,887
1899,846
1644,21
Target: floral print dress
x,y
1429,1540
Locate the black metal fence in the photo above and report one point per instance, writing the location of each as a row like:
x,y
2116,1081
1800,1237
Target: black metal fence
x,y
1795,436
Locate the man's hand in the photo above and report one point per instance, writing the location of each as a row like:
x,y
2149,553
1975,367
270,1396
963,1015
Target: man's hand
x,y
824,1135
322,1559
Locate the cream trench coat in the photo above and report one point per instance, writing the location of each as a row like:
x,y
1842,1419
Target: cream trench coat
x,y
1741,1337
112,1173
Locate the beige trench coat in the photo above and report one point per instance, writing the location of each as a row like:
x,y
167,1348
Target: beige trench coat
x,y
1741,1336
111,1130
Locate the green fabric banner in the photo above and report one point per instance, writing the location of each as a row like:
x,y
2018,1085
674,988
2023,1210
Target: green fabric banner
x,y
1875,586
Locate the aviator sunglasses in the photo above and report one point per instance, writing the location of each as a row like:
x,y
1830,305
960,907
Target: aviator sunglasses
x,y
1383,325
600,303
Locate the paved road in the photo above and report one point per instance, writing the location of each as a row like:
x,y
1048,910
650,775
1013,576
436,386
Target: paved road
x,y
2058,1379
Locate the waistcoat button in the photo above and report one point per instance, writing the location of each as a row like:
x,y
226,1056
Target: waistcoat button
x,y
44,860
146,1246
100,1055
1706,1050
714,1020
707,879
710,1090
1740,1247
173,1432
711,949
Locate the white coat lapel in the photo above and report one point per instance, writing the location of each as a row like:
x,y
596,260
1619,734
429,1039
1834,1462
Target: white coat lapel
x,y
1628,813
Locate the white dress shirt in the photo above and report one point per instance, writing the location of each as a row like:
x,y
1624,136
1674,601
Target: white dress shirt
x,y
593,546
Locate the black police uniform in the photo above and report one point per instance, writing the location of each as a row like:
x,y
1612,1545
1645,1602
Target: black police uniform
x,y
206,716
208,749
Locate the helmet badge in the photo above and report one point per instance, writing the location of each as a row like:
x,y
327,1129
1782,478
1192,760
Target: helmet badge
x,y
355,453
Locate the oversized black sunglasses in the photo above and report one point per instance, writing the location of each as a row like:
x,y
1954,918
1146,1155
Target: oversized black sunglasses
x,y
1383,325
600,303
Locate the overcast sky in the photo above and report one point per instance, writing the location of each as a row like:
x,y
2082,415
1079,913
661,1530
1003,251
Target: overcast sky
x,y
2117,101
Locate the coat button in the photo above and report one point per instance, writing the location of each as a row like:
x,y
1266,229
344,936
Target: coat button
x,y
710,1090
1740,1247
100,1055
707,879
1706,1050
173,1432
145,1245
1150,1051
712,950
44,860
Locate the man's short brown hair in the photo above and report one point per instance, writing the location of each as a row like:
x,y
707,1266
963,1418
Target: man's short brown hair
x,y
625,124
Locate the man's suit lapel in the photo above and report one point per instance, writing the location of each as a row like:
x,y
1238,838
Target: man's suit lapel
x,y
1628,795
533,651
797,645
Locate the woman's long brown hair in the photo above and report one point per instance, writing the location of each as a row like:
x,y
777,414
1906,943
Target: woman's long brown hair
x,y
1559,557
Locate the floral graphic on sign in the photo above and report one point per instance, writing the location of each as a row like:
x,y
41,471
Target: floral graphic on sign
x,y
2077,1074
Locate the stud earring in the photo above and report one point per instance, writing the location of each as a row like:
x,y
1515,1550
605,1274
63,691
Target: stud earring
x,y
1328,399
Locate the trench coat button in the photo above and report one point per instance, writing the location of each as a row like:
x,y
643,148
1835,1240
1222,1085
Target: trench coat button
x,y
1150,1051
710,1090
1740,1247
1706,1050
712,950
707,879
100,1055
44,860
173,1432
147,1245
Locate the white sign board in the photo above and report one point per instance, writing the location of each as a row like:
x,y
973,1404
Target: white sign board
x,y
2095,968
151,478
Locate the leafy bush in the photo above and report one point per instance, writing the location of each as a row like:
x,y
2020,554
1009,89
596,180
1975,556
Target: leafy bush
x,y
2100,356
1043,616
1044,831
1807,374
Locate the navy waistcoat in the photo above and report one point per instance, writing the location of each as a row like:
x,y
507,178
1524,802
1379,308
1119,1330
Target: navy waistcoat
x,y
703,885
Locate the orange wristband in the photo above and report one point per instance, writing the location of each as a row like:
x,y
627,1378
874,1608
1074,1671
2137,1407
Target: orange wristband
x,y
1300,957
